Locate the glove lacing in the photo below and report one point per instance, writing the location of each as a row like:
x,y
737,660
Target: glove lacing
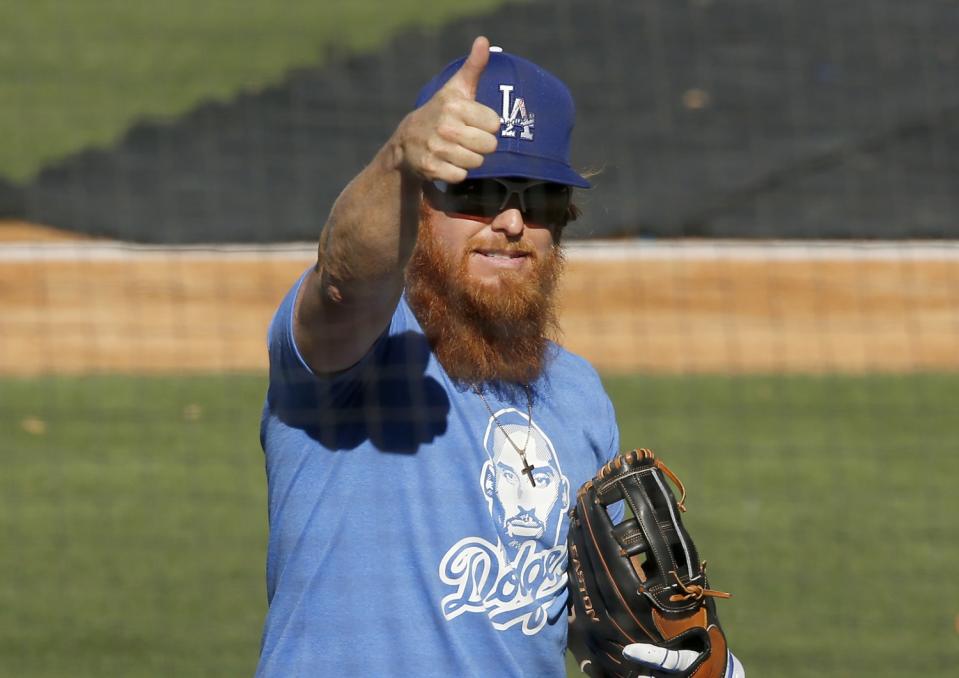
x,y
695,591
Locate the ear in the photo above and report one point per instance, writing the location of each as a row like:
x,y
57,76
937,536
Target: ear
x,y
564,492
489,479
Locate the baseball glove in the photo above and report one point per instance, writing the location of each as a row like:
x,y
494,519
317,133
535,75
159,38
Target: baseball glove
x,y
640,581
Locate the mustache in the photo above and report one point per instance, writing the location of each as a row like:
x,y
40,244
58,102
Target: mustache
x,y
524,517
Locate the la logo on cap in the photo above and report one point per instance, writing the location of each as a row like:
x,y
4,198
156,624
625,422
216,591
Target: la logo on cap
x,y
515,115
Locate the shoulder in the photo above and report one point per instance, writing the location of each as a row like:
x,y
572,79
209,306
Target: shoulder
x,y
573,381
567,368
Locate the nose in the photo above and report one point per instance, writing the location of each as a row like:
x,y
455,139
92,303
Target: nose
x,y
510,222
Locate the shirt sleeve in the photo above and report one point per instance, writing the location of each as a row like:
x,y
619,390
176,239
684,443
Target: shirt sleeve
x,y
296,391
284,353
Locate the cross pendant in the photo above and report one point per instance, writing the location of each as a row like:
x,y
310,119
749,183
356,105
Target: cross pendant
x,y
528,470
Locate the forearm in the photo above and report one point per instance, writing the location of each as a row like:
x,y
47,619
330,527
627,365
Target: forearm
x,y
370,233
349,297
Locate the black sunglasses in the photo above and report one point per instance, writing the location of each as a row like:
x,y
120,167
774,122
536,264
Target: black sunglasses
x,y
543,203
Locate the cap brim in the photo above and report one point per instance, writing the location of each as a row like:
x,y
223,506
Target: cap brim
x,y
509,164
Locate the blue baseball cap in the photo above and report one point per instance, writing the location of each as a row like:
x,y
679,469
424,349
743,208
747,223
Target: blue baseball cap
x,y
536,119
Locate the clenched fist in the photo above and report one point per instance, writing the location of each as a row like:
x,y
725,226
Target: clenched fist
x,y
452,132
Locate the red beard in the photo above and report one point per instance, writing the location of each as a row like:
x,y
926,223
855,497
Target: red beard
x,y
480,333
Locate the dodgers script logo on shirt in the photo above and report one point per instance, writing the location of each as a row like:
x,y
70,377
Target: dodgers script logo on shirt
x,y
515,580
515,115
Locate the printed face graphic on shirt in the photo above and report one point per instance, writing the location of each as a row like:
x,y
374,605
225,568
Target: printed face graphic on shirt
x,y
517,578
521,508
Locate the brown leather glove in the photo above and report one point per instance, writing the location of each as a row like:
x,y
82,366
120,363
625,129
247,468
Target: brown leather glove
x,y
640,581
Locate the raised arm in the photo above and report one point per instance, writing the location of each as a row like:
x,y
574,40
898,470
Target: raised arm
x,y
349,297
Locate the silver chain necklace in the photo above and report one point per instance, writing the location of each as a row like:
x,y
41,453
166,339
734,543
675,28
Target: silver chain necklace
x,y
527,468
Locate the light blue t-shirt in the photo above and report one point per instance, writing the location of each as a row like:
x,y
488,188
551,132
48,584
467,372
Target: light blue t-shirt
x,y
405,537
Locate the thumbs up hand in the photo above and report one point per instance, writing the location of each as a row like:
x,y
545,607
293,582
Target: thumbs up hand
x,y
452,132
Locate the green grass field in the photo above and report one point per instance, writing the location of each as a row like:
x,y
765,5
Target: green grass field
x,y
77,74
132,514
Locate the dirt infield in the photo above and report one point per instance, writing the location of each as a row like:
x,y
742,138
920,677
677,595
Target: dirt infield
x,y
74,307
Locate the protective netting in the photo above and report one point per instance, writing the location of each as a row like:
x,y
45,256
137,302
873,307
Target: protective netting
x,y
800,380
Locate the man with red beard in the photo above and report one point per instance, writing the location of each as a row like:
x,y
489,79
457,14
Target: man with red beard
x,y
401,364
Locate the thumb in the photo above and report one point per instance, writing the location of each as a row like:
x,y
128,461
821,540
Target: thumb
x,y
658,657
466,79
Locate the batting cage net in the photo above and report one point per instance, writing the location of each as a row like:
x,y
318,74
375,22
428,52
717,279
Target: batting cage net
x,y
765,274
